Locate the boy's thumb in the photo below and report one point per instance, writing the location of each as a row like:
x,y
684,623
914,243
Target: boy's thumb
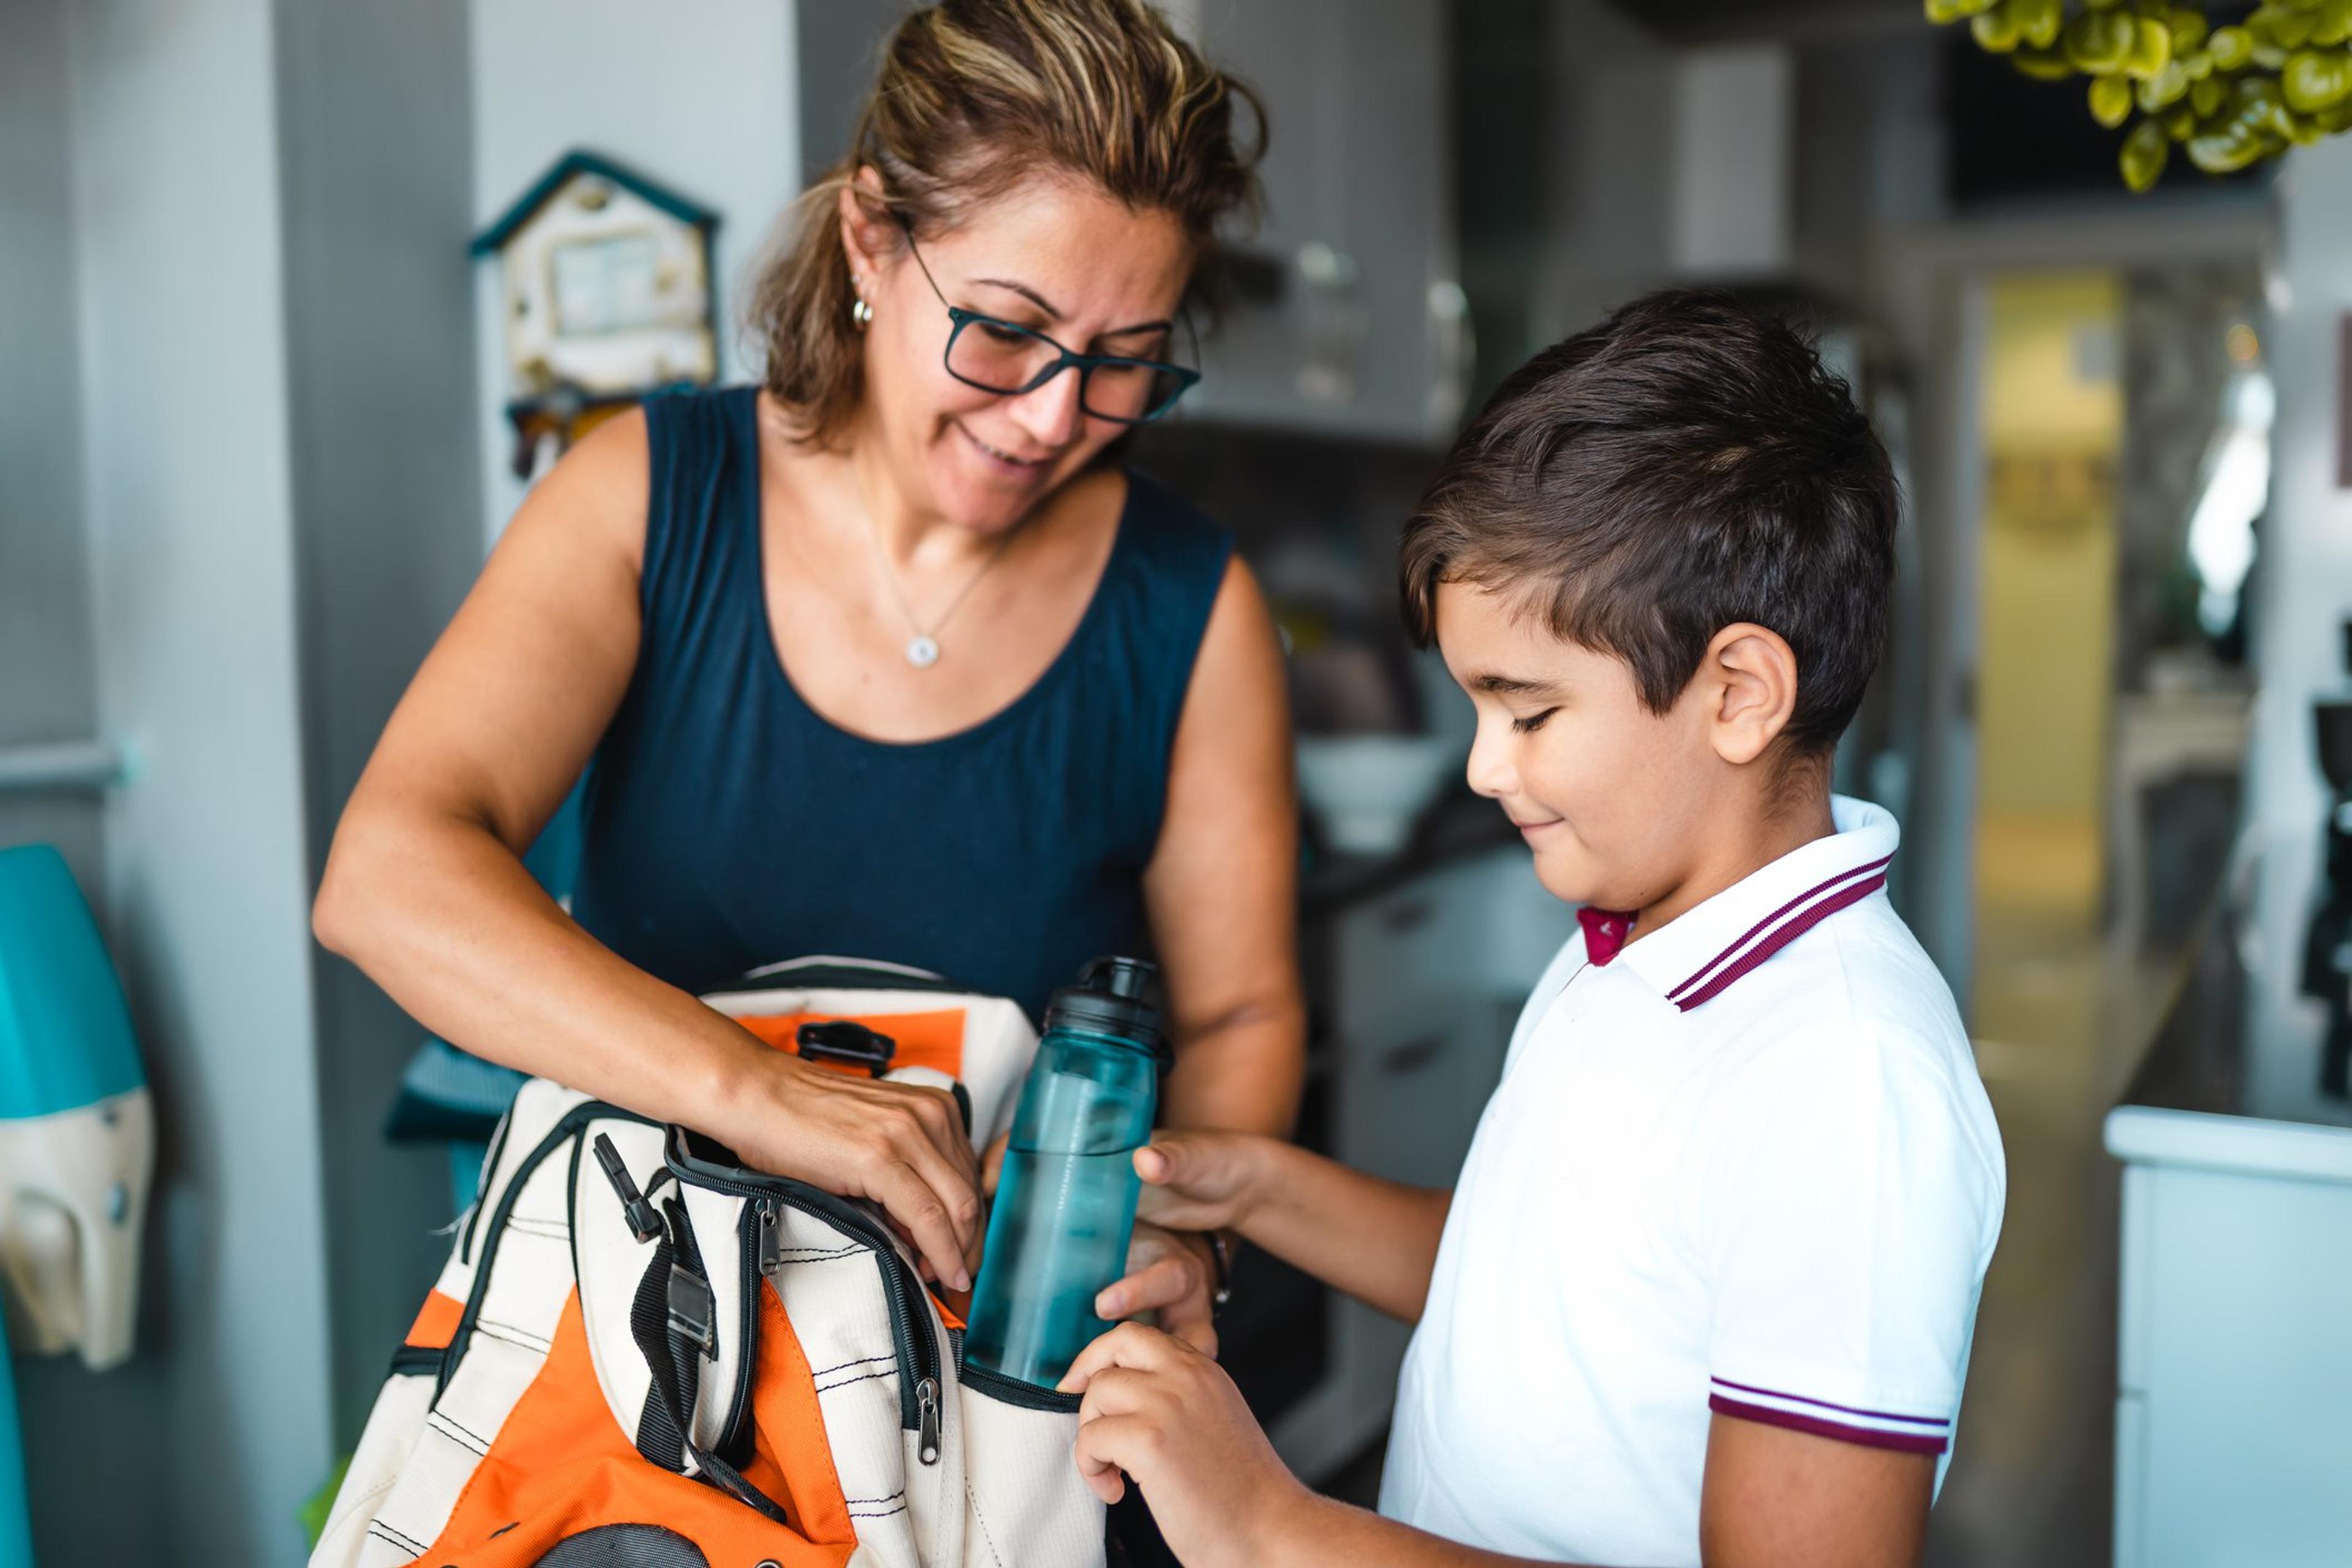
x,y
1161,1161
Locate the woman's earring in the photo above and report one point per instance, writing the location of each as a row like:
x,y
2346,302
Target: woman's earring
x,y
862,314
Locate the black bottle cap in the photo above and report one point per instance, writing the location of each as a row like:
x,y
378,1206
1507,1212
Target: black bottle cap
x,y
1116,996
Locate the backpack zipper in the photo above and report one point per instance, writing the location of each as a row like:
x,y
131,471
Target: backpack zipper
x,y
1012,1390
916,1347
759,1234
912,1340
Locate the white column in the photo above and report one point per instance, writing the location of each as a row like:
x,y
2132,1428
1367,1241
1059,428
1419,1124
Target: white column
x,y
185,421
2305,588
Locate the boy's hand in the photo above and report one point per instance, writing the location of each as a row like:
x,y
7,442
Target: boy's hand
x,y
1200,1180
1171,1274
1171,1418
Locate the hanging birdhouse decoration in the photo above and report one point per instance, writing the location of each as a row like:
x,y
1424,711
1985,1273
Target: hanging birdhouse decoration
x,y
2228,96
605,295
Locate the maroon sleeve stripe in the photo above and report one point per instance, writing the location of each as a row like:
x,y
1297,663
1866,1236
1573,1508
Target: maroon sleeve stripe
x,y
1938,1421
1867,1437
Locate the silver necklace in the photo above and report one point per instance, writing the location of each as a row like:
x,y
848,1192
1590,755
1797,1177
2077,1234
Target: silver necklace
x,y
923,648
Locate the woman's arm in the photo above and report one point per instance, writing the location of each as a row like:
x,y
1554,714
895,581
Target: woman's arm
x,y
426,890
1221,893
1222,887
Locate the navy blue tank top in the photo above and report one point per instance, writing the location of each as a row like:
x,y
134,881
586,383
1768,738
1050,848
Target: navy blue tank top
x,y
726,824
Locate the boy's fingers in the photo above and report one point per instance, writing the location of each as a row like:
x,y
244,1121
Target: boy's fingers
x,y
1170,1210
1154,1165
1192,1321
992,1165
1107,1446
1165,1282
1170,1161
1115,1391
1101,1474
1129,1345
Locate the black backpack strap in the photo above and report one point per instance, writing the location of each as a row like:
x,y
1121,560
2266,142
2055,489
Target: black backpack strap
x,y
674,1321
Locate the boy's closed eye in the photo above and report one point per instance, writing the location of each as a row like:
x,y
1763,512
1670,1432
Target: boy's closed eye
x,y
1533,721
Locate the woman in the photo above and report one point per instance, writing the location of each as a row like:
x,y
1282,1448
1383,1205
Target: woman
x,y
881,657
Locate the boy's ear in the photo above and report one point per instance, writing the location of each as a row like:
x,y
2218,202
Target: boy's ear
x,y
1750,677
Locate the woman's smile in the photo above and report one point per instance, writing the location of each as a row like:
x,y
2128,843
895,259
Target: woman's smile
x,y
1000,461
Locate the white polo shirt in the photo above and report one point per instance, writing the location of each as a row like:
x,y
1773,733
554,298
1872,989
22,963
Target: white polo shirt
x,y
1744,1166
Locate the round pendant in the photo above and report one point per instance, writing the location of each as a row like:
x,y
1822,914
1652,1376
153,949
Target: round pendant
x,y
922,653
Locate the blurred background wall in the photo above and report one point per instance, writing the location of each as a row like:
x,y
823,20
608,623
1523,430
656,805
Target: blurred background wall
x,y
253,445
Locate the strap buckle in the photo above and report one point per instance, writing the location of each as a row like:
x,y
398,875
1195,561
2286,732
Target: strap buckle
x,y
847,1042
693,1311
644,1223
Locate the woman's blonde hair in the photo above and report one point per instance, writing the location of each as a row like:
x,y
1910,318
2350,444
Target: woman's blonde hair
x,y
973,98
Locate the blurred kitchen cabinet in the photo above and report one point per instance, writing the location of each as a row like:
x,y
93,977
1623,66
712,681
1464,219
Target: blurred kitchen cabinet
x,y
2234,1366
1348,317
1428,979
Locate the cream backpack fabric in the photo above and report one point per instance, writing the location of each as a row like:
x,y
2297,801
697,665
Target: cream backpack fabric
x,y
640,1355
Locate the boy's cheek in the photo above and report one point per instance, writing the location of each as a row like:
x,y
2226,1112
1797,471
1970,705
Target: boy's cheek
x,y
1566,869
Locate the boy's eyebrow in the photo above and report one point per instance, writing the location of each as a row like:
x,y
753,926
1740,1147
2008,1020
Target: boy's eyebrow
x,y
1508,685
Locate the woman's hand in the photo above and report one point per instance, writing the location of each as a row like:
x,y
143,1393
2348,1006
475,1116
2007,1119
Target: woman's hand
x,y
901,1145
1169,1417
1171,1274
1200,1180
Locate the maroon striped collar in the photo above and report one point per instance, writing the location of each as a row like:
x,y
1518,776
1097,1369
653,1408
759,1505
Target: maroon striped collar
x,y
1696,957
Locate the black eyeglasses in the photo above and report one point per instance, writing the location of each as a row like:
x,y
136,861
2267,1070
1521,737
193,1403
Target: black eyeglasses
x,y
1009,358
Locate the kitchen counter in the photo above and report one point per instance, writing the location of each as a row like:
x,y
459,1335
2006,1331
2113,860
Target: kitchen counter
x,y
2233,1362
2209,1095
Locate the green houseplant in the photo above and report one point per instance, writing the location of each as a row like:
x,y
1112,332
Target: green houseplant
x,y
2231,96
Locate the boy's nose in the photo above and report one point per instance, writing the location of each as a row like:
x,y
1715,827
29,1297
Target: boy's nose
x,y
1491,772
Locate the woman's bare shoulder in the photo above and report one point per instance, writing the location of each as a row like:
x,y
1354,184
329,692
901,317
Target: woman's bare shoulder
x,y
597,492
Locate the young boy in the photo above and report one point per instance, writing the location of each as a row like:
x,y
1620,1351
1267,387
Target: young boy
x,y
1705,1291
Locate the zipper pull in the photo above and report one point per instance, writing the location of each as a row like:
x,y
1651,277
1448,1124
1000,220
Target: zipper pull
x,y
772,1238
644,1223
927,1420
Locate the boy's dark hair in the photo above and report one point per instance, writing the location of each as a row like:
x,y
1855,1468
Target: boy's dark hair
x,y
1685,465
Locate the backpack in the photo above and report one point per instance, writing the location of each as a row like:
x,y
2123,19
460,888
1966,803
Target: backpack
x,y
641,1354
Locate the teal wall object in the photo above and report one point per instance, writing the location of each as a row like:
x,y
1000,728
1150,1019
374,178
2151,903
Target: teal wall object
x,y
15,1517
65,1029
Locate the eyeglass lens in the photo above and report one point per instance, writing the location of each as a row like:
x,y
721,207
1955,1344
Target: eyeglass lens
x,y
1001,358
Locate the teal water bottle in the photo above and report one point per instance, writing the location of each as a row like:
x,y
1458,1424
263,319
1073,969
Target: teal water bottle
x,y
1066,1198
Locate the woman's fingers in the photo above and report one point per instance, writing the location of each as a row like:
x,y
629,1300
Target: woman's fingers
x,y
902,1145
920,1201
942,1125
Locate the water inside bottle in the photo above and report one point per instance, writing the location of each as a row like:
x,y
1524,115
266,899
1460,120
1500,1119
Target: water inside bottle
x,y
1064,1205
1059,1234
